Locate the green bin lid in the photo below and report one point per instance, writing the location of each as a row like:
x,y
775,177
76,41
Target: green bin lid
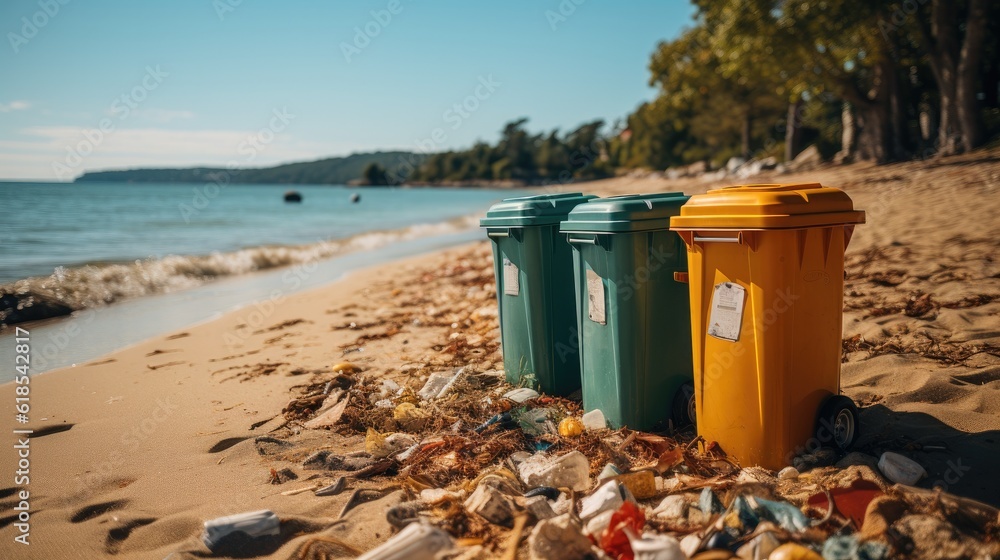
x,y
536,210
622,214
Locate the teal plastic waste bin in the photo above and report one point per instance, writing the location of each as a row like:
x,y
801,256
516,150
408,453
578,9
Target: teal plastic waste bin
x,y
534,273
634,318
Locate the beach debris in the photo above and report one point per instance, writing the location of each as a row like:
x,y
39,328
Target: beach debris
x,y
570,427
417,541
641,484
380,446
281,476
493,506
363,496
333,489
900,469
792,551
329,416
559,538
672,507
848,547
656,547
608,497
788,473
534,422
571,470
539,507
345,367
625,521
253,524
521,395
594,420
401,515
411,417
438,384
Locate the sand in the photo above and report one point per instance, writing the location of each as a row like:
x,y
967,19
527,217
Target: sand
x,y
133,451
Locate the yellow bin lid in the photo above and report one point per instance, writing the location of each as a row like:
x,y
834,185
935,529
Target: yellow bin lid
x,y
791,206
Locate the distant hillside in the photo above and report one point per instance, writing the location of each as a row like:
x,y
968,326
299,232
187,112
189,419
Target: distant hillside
x,y
330,171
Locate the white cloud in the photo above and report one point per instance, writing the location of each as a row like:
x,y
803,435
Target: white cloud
x,y
14,106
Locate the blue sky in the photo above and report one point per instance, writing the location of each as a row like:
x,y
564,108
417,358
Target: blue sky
x,y
93,85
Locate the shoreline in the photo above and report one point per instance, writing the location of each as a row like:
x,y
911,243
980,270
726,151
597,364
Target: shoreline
x,y
161,433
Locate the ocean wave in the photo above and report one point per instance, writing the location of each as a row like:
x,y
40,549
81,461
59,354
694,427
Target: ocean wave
x,y
72,289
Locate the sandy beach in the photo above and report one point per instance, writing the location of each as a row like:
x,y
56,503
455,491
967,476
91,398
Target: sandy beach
x,y
133,451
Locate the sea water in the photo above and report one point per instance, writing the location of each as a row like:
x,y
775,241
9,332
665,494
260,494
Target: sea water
x,y
167,257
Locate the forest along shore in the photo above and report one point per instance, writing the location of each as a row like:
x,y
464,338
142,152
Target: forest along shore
x,y
187,427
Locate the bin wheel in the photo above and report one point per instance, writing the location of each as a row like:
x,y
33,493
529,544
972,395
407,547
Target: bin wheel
x,y
838,417
683,413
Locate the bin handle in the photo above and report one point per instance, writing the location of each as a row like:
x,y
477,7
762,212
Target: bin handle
x,y
498,234
583,241
717,239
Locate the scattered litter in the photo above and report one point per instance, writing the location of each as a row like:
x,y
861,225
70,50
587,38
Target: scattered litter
x,y
608,497
792,551
609,471
900,469
656,547
333,489
558,538
641,484
572,470
628,519
570,427
253,524
417,541
438,384
594,420
492,505
788,473
521,395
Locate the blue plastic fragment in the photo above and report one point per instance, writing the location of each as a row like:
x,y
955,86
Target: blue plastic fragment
x,y
784,514
745,513
847,547
708,503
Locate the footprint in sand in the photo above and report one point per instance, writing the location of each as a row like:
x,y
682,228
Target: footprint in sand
x,y
95,510
226,444
117,535
51,429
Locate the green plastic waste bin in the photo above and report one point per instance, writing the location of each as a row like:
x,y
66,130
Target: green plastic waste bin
x,y
534,274
634,319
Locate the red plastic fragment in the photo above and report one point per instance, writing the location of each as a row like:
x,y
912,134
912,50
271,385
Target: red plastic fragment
x,y
614,540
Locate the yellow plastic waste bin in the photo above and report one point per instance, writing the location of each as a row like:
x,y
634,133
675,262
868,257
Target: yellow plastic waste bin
x,y
766,273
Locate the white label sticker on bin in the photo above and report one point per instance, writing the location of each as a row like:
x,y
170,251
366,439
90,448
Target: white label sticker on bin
x,y
595,298
511,285
726,316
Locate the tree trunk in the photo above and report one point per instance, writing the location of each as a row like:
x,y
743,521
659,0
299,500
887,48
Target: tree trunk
x,y
942,48
793,130
873,136
968,71
848,135
746,133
